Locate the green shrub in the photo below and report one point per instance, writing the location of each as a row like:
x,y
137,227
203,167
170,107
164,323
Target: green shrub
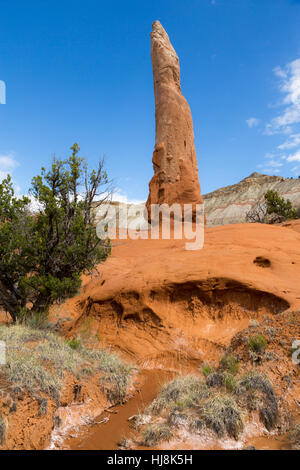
x,y
74,343
257,343
229,363
230,382
279,206
206,370
44,255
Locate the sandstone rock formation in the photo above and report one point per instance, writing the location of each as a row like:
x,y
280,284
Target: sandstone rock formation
x,y
229,205
175,166
163,307
153,295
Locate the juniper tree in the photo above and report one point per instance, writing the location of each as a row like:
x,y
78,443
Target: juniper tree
x,y
279,206
44,253
272,208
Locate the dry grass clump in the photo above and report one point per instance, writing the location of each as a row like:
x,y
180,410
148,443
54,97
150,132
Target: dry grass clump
x,y
224,376
222,414
117,374
294,437
2,431
187,401
183,392
216,405
259,393
254,380
154,433
215,379
222,379
38,359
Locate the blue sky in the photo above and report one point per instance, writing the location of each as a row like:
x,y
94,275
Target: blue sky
x,y
81,71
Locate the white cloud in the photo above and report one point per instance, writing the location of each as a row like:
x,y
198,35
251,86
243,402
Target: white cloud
x,y
7,164
279,72
290,87
7,161
120,196
252,122
295,157
293,141
34,205
271,165
274,164
269,155
268,170
287,121
296,169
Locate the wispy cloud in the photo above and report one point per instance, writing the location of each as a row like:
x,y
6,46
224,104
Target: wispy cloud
x,y
7,164
268,170
294,157
274,164
289,86
286,122
271,165
269,155
293,141
120,196
252,122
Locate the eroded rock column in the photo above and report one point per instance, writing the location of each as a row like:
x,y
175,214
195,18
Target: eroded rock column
x,y
175,166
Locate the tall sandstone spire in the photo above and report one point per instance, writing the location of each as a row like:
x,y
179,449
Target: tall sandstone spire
x,y
174,159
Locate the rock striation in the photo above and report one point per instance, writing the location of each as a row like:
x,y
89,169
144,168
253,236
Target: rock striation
x,y
230,205
175,166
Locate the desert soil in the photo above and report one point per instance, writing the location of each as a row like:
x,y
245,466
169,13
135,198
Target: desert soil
x,y
163,307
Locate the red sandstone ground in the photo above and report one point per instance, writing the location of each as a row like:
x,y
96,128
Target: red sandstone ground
x,y
155,301
161,306
27,428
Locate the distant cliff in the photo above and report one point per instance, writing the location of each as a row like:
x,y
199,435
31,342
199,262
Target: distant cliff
x,y
229,205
